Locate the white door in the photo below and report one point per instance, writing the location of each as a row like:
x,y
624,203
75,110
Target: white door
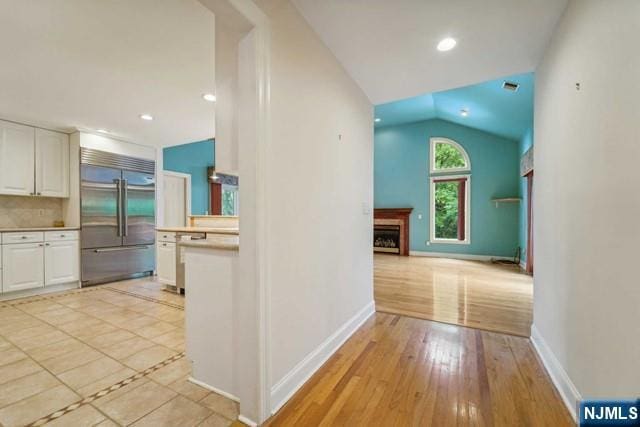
x,y
16,159
177,198
166,263
52,163
61,262
22,266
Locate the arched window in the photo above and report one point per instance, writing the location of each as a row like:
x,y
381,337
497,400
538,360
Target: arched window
x,y
447,155
450,194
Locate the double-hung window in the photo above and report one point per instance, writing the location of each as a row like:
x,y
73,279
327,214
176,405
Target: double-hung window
x,y
450,189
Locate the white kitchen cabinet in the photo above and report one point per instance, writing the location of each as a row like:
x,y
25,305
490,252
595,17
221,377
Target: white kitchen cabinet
x,y
22,266
61,262
17,164
51,163
166,263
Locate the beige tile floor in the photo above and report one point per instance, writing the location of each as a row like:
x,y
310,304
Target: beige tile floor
x,y
118,347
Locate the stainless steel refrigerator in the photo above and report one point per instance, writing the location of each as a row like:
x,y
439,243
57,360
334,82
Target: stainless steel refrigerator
x,y
117,198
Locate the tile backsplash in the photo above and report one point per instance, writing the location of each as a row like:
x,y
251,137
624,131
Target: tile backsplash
x,y
22,211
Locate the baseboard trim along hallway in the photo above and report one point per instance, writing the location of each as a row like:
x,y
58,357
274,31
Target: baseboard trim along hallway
x,y
559,377
467,257
292,381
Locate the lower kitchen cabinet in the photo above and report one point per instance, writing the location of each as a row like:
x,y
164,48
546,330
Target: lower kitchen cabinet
x,y
61,262
42,259
22,266
166,263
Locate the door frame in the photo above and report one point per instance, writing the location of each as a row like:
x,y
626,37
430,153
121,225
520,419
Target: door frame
x,y
187,193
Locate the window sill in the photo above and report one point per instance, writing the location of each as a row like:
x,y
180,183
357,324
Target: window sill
x,y
450,241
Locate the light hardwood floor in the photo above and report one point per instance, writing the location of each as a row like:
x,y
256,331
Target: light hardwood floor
x,y
468,293
403,371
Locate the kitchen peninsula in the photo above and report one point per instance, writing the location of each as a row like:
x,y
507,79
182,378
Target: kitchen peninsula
x,y
203,229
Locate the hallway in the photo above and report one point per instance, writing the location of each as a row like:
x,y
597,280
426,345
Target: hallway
x,y
398,370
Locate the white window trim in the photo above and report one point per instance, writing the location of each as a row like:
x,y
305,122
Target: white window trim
x,y
432,156
467,210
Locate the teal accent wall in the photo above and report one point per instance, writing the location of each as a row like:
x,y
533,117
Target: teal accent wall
x,y
401,179
524,144
194,159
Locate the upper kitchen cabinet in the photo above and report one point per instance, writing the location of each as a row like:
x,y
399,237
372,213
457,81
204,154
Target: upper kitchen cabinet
x,y
33,162
52,164
17,159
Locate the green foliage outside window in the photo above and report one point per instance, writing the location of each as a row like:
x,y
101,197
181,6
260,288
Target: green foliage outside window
x,y
229,202
446,217
448,156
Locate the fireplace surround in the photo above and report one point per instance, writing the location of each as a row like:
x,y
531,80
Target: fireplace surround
x,y
391,230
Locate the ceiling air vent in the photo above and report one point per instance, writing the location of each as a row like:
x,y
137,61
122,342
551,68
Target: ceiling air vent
x,y
510,86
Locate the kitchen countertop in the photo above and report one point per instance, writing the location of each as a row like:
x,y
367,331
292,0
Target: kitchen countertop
x,y
229,243
21,229
210,230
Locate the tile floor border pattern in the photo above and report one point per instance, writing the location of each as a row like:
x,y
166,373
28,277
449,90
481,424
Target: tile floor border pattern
x,y
133,294
37,298
87,400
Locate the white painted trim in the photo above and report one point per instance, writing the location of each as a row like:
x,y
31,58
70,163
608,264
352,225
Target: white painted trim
x,y
213,389
523,265
187,178
468,257
564,385
38,291
467,211
300,374
432,155
247,421
262,32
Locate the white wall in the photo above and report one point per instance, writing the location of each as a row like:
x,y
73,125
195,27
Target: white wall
x,y
586,198
319,198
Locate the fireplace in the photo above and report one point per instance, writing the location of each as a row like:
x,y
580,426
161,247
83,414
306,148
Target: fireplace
x,y
391,230
386,238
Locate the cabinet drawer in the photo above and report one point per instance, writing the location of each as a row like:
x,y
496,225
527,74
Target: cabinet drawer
x,y
18,237
166,245
55,236
165,236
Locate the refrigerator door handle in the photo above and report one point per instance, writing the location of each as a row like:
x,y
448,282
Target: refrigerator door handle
x,y
118,183
122,248
125,208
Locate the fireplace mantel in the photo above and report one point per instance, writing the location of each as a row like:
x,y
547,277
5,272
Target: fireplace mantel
x,y
399,216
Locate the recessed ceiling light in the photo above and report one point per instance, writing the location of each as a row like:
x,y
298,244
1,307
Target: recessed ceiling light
x,y
102,131
464,112
447,44
377,120
148,117
209,97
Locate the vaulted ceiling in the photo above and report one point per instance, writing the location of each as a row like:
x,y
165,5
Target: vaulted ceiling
x,y
488,107
389,47
101,64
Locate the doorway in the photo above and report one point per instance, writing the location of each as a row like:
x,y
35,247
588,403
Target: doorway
x,y
177,198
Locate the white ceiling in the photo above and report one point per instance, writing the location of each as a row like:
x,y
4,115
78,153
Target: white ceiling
x,y
389,47
101,63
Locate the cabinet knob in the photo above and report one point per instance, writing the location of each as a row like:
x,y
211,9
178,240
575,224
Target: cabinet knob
x,y
47,244
40,244
39,194
23,237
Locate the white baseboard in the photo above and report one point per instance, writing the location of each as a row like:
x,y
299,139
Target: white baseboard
x,y
213,389
247,421
39,291
468,257
523,265
294,379
564,385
